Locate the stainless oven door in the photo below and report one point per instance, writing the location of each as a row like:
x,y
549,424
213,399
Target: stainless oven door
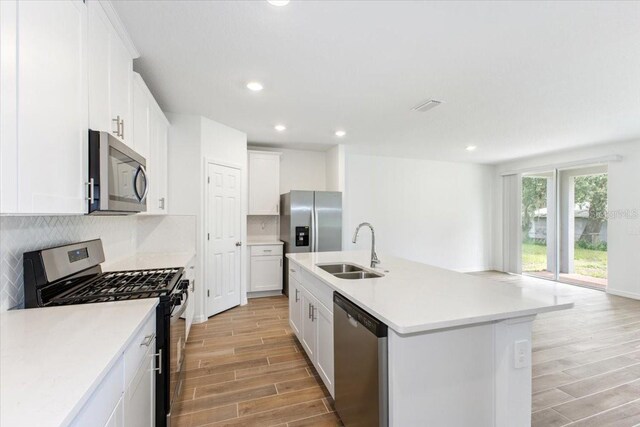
x,y
177,334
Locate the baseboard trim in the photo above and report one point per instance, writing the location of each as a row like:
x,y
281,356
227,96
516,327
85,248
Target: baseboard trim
x,y
199,319
263,294
623,294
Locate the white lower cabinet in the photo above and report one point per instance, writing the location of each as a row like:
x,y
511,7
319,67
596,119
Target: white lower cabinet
x,y
126,396
309,328
140,396
324,347
312,321
295,305
117,416
266,268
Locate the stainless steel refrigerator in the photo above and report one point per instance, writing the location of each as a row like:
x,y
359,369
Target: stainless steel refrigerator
x,y
310,221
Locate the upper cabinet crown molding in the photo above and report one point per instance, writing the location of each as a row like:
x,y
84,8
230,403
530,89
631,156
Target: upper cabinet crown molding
x,y
119,27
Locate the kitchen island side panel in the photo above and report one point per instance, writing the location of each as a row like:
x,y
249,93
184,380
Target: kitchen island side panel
x,y
459,377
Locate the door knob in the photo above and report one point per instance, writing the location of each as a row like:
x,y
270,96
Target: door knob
x,y
238,243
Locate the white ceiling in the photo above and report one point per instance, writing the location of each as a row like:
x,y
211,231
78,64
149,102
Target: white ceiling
x,y
516,78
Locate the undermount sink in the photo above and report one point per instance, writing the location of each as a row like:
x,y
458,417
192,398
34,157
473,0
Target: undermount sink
x,y
340,268
358,275
349,271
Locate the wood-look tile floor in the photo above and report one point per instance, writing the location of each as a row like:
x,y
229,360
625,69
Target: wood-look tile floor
x,y
586,360
245,368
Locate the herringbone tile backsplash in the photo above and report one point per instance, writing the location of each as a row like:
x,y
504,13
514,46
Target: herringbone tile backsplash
x,y
26,233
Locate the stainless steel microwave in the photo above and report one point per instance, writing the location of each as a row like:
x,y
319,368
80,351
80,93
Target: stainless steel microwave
x,y
118,181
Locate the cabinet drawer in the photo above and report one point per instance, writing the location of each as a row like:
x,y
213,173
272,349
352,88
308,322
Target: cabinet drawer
x,y
265,250
295,271
134,354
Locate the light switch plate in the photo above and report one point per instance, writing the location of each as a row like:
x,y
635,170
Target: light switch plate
x,y
522,354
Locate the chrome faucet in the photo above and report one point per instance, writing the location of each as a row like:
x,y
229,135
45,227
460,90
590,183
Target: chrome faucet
x,y
374,257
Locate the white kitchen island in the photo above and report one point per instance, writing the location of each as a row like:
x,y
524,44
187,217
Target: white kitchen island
x,y
459,346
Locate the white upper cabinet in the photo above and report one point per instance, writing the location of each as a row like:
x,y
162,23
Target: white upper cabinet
x,y
141,140
98,66
150,132
43,118
264,183
110,76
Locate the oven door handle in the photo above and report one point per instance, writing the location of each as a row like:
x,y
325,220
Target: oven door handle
x,y
183,308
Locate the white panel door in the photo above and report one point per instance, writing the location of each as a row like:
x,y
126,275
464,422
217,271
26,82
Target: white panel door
x,y
222,218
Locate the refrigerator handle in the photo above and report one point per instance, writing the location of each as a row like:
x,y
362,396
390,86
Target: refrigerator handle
x,y
316,240
313,229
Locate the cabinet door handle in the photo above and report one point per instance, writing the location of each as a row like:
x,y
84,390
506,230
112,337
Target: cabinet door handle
x,y
278,208
159,368
147,340
122,128
280,262
297,299
117,121
161,203
309,310
91,197
314,312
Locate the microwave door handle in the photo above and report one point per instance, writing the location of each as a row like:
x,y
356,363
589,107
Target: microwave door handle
x,y
135,186
146,183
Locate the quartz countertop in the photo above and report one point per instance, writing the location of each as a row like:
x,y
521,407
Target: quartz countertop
x,y
414,297
260,242
52,359
146,260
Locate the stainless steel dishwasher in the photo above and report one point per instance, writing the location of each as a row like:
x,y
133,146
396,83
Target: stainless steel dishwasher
x,y
360,365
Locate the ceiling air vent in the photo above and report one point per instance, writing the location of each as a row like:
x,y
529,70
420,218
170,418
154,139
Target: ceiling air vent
x,y
427,105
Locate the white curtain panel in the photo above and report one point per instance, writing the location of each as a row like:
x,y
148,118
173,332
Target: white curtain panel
x,y
511,223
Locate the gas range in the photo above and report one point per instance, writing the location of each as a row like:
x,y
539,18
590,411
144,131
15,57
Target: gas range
x,y
72,274
123,285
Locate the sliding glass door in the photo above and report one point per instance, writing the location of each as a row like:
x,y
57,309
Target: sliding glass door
x,y
583,226
564,225
539,224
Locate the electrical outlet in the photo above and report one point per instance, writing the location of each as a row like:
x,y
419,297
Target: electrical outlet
x,y
522,354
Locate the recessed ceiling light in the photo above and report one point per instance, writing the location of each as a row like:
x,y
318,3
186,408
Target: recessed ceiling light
x,y
255,86
471,147
426,105
340,133
280,128
278,2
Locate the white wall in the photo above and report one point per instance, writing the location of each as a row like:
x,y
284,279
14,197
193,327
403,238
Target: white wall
x,y
624,209
335,158
300,169
192,139
428,211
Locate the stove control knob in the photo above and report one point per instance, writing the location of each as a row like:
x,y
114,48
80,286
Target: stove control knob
x,y
184,284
